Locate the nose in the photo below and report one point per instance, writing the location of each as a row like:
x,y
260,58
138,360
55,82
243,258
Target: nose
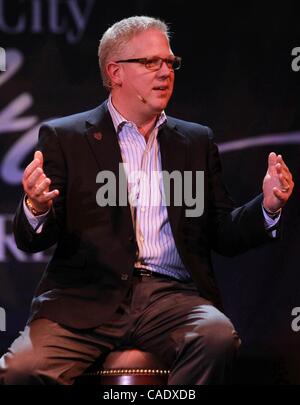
x,y
164,69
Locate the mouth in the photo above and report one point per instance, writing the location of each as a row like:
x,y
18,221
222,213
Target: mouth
x,y
160,88
161,91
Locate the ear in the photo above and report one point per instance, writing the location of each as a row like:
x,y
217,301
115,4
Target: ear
x,y
114,72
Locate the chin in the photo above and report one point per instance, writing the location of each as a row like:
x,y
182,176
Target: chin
x,y
160,106
157,110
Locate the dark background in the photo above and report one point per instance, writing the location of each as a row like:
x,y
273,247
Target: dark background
x,y
237,78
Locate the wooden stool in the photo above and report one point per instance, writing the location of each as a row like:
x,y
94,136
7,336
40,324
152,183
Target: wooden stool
x,y
127,367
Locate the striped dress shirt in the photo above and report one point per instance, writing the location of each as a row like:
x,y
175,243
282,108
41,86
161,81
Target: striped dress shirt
x,y
142,163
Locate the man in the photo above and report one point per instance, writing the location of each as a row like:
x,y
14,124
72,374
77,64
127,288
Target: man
x,y
137,273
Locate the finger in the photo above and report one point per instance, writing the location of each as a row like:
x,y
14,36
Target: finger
x,y
272,159
280,160
36,177
284,181
48,196
41,188
30,168
285,167
282,170
282,196
38,155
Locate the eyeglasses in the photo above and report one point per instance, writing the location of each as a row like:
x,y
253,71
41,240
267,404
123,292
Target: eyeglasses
x,y
155,63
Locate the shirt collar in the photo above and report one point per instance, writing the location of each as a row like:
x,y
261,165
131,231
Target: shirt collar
x,y
119,121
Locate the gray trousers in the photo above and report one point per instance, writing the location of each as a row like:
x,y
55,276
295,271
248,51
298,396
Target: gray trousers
x,y
159,315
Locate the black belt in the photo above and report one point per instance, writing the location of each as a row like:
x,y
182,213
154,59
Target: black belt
x,y
141,272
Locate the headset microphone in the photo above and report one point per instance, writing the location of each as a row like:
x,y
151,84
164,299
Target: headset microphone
x,y
141,98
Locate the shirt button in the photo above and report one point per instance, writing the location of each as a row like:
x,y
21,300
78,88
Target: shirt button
x,y
124,276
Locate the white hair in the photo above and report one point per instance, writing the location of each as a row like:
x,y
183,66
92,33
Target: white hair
x,y
116,37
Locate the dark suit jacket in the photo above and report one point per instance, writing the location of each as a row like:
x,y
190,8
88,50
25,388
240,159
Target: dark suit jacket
x,y
91,269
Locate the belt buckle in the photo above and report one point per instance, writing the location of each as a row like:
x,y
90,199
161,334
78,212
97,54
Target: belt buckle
x,y
145,272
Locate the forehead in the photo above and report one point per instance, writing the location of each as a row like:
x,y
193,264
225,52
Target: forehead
x,y
147,43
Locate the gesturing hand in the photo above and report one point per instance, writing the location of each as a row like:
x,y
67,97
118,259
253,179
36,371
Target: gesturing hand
x,y
278,183
36,184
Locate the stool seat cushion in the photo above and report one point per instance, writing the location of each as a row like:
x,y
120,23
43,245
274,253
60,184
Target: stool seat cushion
x,y
132,358
128,366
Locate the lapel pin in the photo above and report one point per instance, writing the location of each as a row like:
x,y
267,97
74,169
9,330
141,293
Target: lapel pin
x,y
98,136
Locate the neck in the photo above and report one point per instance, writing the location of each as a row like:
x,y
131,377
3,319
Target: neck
x,y
146,128
143,121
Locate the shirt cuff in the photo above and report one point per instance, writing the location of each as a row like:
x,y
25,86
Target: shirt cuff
x,y
36,221
271,222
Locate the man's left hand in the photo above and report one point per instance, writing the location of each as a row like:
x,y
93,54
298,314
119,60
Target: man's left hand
x,y
278,183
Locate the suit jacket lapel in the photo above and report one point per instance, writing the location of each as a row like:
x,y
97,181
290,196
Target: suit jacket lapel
x,y
103,141
173,148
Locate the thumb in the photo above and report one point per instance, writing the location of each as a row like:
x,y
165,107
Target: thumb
x,y
38,155
272,160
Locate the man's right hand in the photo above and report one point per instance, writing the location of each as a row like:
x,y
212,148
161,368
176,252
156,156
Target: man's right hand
x,y
36,185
